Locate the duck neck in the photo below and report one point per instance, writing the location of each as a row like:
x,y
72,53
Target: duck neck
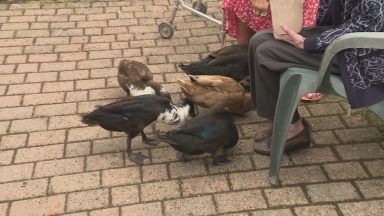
x,y
135,91
177,114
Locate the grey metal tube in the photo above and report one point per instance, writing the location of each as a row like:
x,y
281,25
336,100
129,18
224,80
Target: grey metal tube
x,y
174,11
200,14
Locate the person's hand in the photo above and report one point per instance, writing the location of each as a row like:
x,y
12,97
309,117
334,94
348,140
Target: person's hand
x,y
290,37
261,7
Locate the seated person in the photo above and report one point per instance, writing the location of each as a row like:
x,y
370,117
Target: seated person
x,y
245,17
274,53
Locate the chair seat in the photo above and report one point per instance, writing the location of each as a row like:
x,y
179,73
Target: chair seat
x,y
335,87
378,108
309,80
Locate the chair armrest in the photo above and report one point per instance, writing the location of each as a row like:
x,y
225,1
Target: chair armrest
x,y
347,41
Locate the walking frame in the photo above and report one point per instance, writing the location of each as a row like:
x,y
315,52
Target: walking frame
x,y
167,29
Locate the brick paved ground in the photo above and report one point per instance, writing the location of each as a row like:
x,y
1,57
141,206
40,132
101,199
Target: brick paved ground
x,y
59,61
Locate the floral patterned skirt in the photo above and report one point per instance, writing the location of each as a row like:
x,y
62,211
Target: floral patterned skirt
x,y
244,11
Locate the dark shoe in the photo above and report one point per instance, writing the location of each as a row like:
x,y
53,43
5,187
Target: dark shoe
x,y
299,141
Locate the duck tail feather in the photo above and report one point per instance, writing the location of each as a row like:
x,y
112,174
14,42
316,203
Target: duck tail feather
x,y
185,84
182,83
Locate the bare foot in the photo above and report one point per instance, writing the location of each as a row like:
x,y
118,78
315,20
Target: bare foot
x,y
295,129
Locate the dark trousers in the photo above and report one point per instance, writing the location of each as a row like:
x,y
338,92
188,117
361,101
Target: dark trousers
x,y
268,58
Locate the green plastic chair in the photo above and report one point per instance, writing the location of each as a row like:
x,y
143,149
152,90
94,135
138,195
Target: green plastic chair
x,y
296,82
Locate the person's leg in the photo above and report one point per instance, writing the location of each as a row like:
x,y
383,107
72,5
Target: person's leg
x,y
245,33
267,60
257,39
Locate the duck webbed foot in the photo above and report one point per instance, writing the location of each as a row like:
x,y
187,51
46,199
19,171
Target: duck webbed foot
x,y
149,141
220,160
135,157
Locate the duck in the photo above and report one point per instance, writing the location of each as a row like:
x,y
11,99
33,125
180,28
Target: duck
x,y
205,133
136,79
217,93
230,61
132,114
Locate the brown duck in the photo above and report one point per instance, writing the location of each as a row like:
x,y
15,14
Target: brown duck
x,y
136,79
218,93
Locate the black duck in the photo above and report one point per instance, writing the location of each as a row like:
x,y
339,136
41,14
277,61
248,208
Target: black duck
x,y
136,79
132,114
230,61
206,133
217,93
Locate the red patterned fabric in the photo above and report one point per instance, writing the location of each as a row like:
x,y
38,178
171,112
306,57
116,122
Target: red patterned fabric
x,y
243,10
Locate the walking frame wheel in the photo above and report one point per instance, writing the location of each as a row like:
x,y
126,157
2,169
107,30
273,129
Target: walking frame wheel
x,y
166,30
200,6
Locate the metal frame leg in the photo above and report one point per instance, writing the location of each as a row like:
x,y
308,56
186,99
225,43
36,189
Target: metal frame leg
x,y
183,5
174,11
223,33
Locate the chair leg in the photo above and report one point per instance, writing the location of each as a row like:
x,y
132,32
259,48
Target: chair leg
x,y
286,106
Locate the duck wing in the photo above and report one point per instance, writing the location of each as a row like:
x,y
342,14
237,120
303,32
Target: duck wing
x,y
212,91
129,113
204,133
217,83
200,95
144,104
191,142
